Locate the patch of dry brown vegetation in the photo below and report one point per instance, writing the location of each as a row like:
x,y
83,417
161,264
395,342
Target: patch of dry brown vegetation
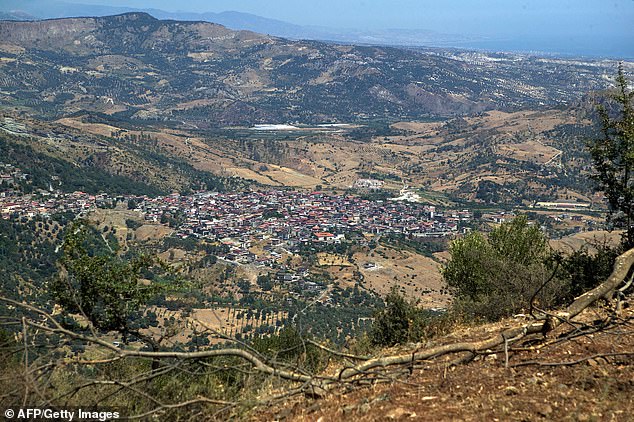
x,y
574,374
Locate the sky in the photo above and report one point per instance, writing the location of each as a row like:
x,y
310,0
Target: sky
x,y
594,28
477,17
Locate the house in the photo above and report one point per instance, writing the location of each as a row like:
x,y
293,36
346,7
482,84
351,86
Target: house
x,y
324,236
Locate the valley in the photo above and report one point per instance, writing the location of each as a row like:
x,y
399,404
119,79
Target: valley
x,y
130,93
170,117
253,211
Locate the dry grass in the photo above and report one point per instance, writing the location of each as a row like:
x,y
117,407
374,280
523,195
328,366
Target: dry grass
x,y
148,232
417,276
586,239
594,389
225,321
332,260
94,128
533,151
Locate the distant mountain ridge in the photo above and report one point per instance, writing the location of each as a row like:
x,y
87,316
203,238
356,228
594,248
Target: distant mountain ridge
x,y
579,46
136,66
244,21
169,104
15,16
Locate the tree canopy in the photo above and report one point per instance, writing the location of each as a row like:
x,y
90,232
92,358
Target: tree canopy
x,y
99,285
613,156
498,275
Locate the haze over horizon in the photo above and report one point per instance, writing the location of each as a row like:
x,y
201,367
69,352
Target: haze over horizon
x,y
576,27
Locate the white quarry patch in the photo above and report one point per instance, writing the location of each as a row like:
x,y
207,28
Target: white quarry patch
x,y
407,196
274,127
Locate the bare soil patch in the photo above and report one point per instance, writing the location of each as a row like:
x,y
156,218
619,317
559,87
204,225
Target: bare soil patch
x,y
152,232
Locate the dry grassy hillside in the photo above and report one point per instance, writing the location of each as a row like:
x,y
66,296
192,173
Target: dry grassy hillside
x,y
495,157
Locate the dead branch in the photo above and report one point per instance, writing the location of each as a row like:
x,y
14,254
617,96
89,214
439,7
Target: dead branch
x,y
257,363
336,353
622,266
163,407
621,269
367,370
434,352
571,363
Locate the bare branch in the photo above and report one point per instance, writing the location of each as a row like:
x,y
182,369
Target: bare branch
x,y
571,363
336,353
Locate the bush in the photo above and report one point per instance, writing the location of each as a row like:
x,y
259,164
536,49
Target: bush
x,y
132,224
585,270
398,323
290,346
497,276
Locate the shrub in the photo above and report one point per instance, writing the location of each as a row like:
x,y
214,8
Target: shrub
x,y
289,346
132,224
399,322
496,276
587,269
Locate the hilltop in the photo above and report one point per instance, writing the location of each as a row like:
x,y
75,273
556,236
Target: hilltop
x,y
130,92
136,67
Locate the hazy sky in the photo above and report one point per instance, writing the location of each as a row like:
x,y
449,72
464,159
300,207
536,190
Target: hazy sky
x,y
484,17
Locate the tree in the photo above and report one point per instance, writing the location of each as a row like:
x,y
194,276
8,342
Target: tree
x,y
498,275
244,286
101,286
467,271
613,156
399,322
587,267
265,282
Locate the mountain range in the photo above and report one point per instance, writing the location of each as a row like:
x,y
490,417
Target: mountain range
x,y
39,9
173,105
535,43
137,67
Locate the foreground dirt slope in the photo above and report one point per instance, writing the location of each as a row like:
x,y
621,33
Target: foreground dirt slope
x,y
580,373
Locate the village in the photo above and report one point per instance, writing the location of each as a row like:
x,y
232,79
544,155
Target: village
x,y
289,219
325,247
286,216
279,221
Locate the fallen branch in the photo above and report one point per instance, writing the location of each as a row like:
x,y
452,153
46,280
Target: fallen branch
x,y
571,363
318,385
336,353
622,266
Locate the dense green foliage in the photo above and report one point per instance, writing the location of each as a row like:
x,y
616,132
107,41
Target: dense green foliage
x,y
41,168
289,346
25,254
399,322
99,285
497,276
613,156
423,246
402,321
338,324
585,269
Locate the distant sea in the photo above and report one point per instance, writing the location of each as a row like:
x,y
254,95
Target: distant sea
x,y
621,49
